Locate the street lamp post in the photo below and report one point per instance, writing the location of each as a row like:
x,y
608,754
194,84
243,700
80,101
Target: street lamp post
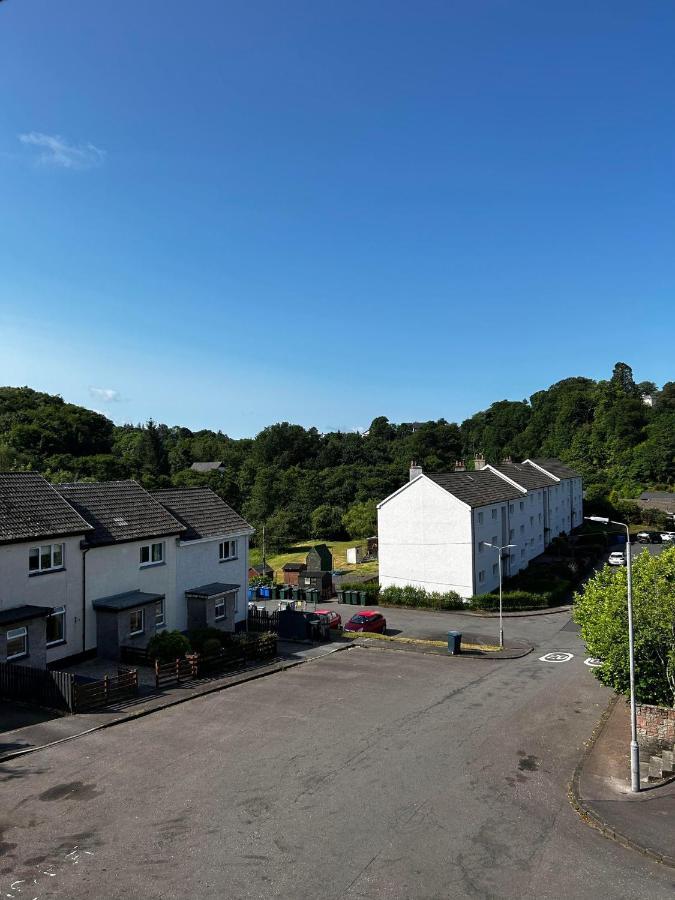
x,y
501,621
634,749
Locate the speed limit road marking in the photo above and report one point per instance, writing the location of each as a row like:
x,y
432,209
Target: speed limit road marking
x,y
556,656
593,662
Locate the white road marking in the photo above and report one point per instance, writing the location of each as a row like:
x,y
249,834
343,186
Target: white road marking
x,y
556,656
593,662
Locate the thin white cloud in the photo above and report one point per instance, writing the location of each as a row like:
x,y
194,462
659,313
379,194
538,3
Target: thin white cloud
x,y
106,395
56,151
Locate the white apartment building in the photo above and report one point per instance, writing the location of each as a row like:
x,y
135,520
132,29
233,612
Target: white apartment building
x,y
434,532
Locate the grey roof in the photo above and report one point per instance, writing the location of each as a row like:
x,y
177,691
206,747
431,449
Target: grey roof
x,y
554,466
657,495
23,613
202,511
119,511
30,507
128,600
260,568
294,567
478,488
206,466
526,476
214,589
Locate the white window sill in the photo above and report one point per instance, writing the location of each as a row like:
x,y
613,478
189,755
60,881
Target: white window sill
x,y
151,565
229,559
17,656
56,643
46,571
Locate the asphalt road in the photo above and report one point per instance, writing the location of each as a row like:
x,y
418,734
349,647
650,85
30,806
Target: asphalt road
x,y
370,773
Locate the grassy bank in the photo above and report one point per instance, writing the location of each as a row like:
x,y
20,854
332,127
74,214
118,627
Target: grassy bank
x,y
298,552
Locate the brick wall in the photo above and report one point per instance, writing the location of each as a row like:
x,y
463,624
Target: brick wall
x,y
656,724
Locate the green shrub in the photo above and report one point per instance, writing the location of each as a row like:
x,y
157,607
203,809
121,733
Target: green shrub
x,y
211,647
168,645
511,600
200,636
418,598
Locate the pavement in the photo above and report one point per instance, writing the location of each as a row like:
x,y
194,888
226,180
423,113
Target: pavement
x,y
27,729
367,775
601,792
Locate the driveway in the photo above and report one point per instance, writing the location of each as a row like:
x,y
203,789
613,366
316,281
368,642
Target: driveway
x,y
364,774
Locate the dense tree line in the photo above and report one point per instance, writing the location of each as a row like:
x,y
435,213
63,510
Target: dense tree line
x,y
300,482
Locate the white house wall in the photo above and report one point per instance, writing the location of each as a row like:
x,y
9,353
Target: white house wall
x,y
424,536
59,588
198,563
115,569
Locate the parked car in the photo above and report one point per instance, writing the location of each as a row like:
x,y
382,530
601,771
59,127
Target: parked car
x,y
334,618
655,537
668,535
617,558
369,620
643,537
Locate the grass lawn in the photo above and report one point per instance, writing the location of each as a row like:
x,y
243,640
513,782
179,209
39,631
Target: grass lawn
x,y
298,552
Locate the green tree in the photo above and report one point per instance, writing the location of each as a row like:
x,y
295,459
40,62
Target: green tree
x,y
601,611
360,520
327,521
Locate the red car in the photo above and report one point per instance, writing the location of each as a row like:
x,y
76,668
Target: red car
x,y
368,620
334,618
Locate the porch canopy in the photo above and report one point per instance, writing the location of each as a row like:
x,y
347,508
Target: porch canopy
x,y
128,600
210,591
23,613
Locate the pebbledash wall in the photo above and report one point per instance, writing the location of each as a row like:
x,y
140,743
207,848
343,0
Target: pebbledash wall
x,y
656,724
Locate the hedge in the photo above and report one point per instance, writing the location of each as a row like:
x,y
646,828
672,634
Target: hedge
x,y
511,600
419,598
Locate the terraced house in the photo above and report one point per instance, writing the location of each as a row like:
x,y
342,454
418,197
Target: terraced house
x,y
93,568
439,531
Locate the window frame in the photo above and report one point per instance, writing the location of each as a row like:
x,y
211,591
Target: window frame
x,y
233,545
20,632
481,576
160,609
480,518
220,602
151,550
137,612
40,569
57,612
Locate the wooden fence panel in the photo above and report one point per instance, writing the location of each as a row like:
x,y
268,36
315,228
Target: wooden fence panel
x,y
111,689
261,620
44,687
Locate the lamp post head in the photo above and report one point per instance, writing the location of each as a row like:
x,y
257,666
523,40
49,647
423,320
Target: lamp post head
x,y
603,519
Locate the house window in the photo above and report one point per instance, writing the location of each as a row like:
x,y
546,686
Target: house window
x,y
152,554
220,608
46,558
136,622
522,529
480,518
481,576
512,534
495,568
531,521
56,626
227,550
522,504
510,507
540,517
494,513
17,643
159,613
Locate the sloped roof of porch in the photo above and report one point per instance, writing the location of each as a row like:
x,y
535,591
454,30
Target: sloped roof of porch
x,y
128,600
214,589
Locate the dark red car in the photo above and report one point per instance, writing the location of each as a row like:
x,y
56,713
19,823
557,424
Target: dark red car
x,y
334,618
369,620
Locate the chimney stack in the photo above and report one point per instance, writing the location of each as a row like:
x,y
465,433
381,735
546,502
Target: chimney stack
x,y
479,461
460,466
415,470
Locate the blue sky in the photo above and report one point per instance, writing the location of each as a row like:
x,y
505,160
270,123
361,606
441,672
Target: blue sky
x,y
226,214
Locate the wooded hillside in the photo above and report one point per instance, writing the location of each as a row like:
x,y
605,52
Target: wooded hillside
x,y
301,483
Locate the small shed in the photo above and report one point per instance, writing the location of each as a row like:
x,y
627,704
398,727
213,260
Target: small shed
x,y
354,555
214,466
320,559
371,546
292,572
319,581
260,571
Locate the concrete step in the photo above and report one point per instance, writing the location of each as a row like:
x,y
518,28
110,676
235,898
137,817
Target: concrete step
x,y
655,768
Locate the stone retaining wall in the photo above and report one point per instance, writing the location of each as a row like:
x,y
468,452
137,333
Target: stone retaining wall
x,y
656,724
